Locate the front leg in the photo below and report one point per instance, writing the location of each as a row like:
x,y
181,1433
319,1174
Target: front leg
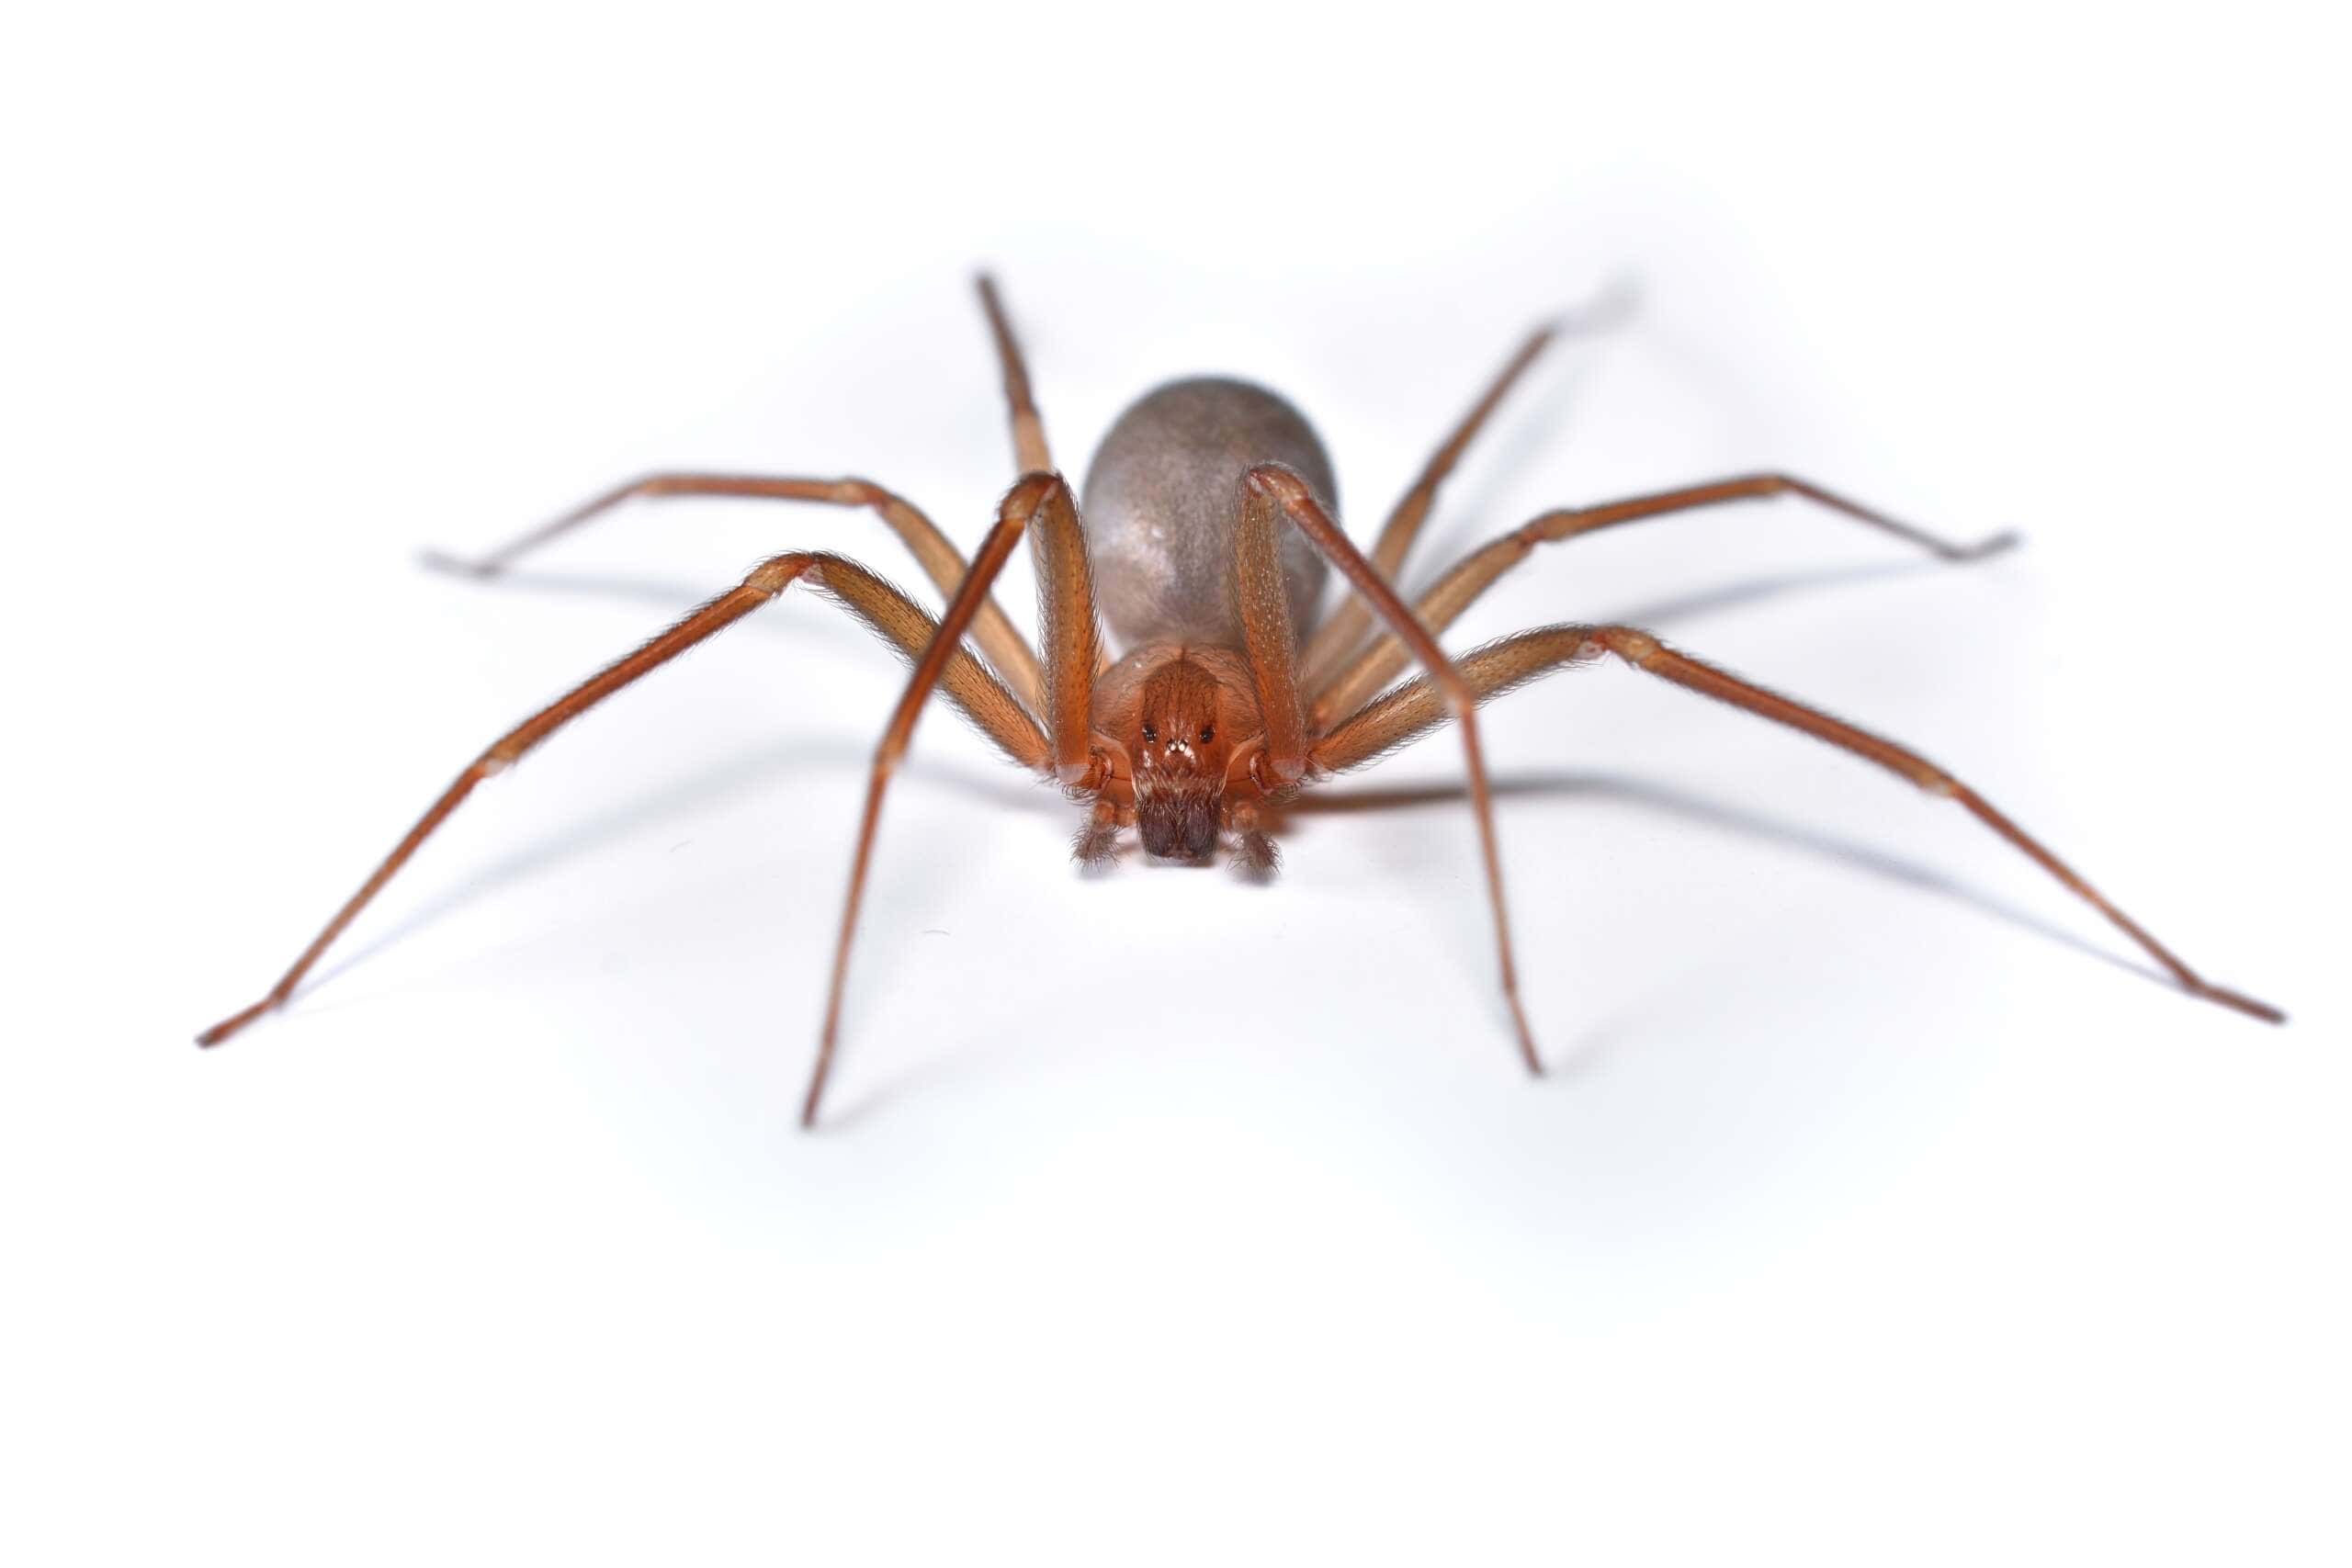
x,y
1271,483
1072,637
936,665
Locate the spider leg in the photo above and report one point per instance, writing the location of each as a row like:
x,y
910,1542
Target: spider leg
x,y
1270,483
1345,631
1348,689
1064,582
1073,636
1263,598
1415,708
1028,430
1022,503
970,684
998,640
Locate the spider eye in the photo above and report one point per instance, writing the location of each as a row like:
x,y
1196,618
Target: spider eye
x,y
1207,734
1149,733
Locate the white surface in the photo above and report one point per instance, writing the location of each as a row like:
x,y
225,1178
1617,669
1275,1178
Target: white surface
x,y
1880,1205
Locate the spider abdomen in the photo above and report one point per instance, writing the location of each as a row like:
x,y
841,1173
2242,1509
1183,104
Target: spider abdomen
x,y
1162,499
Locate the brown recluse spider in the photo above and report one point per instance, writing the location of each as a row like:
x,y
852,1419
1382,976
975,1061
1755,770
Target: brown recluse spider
x,y
1215,710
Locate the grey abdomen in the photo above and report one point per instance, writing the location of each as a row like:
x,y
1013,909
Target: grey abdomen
x,y
1163,495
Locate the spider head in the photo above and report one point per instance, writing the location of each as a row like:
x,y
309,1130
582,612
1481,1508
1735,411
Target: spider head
x,y
1179,750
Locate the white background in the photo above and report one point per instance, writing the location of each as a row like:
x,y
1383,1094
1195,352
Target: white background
x,y
1882,1204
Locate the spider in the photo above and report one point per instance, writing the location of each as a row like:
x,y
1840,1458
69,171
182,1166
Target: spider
x,y
1207,537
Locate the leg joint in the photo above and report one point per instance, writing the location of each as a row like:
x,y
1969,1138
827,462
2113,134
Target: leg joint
x,y
1629,643
1546,528
776,574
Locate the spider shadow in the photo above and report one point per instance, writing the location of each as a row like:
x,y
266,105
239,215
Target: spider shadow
x,y
771,764
1765,587
671,597
681,798
1700,811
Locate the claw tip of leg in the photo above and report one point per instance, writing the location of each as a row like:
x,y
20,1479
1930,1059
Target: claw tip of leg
x,y
2239,1003
235,1022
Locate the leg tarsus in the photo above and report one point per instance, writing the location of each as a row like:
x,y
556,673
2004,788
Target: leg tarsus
x,y
237,1021
1256,856
1097,842
2235,999
1029,449
1526,1037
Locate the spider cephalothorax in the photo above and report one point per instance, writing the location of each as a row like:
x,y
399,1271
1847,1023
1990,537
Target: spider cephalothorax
x,y
1178,715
